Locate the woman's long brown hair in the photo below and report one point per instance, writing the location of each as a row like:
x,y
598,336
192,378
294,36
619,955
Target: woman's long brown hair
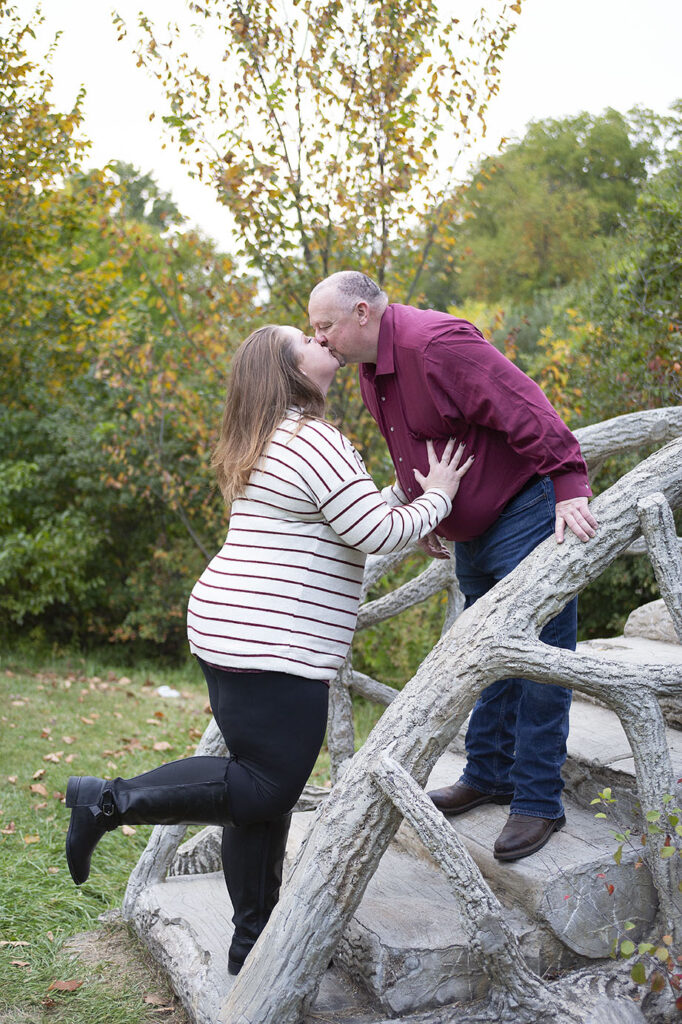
x,y
265,381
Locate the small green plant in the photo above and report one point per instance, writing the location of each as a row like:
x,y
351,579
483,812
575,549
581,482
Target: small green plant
x,y
656,963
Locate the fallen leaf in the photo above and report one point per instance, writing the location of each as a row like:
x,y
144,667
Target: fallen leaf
x,y
87,721
15,942
41,806
10,830
53,871
45,734
127,830
64,986
154,999
70,757
31,839
12,778
38,788
68,739
48,1003
124,681
39,774
20,963
55,756
18,703
162,745
159,714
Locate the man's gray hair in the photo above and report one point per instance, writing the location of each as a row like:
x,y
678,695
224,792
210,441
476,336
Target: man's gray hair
x,y
352,287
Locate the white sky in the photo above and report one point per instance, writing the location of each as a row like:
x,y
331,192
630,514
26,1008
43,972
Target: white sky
x,y
566,56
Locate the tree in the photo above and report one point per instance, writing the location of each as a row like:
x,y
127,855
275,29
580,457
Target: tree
x,y
331,127
536,216
116,328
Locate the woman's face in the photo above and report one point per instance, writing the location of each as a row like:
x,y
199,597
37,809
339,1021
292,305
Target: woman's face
x,y
314,361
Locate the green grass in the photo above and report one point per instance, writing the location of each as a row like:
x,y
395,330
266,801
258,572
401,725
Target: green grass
x,y
61,716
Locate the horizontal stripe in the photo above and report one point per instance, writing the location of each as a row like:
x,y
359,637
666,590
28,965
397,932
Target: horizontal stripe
x,y
266,624
287,597
289,575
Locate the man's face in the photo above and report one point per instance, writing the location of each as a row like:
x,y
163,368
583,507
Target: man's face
x,y
334,328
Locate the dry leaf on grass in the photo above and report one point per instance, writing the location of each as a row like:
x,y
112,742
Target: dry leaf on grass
x,y
15,942
20,963
154,999
12,778
39,788
162,745
127,830
39,774
64,986
31,839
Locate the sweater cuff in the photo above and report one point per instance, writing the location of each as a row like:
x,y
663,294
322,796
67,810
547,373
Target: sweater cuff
x,y
393,495
571,485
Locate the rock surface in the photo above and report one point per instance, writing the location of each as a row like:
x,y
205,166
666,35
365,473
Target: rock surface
x,y
653,622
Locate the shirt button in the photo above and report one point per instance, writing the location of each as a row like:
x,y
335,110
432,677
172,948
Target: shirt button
x,y
383,398
391,429
400,458
409,490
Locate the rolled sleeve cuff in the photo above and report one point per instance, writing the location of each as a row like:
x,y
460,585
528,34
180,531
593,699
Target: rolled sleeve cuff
x,y
571,485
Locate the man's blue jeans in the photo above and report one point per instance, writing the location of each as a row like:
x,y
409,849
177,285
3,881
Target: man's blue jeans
x,y
516,740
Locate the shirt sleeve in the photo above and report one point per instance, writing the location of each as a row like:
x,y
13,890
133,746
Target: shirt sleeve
x,y
349,500
470,379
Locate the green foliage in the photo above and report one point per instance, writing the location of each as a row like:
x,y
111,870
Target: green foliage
x,y
536,216
658,959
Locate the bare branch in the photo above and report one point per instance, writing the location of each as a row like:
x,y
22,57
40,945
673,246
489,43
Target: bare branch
x,y
435,577
626,433
372,689
658,527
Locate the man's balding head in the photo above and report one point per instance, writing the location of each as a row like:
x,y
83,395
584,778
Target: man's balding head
x,y
345,312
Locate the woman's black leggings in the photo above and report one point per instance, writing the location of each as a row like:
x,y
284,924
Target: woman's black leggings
x,y
273,724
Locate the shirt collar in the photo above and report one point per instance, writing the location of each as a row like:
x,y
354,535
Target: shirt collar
x,y
385,362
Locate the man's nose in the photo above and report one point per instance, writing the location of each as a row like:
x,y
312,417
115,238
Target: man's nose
x,y
320,336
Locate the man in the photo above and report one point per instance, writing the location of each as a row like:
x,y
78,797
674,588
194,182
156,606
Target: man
x,y
425,374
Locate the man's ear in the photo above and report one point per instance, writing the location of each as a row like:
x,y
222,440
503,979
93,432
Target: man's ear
x,y
362,312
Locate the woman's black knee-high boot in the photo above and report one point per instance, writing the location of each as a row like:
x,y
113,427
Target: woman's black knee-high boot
x,y
190,791
253,856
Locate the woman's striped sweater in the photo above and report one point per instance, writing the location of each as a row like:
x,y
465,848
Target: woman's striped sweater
x,y
283,592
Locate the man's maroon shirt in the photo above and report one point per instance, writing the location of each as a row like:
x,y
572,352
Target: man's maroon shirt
x,y
437,377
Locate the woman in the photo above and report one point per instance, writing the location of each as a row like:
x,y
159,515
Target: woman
x,y
270,620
